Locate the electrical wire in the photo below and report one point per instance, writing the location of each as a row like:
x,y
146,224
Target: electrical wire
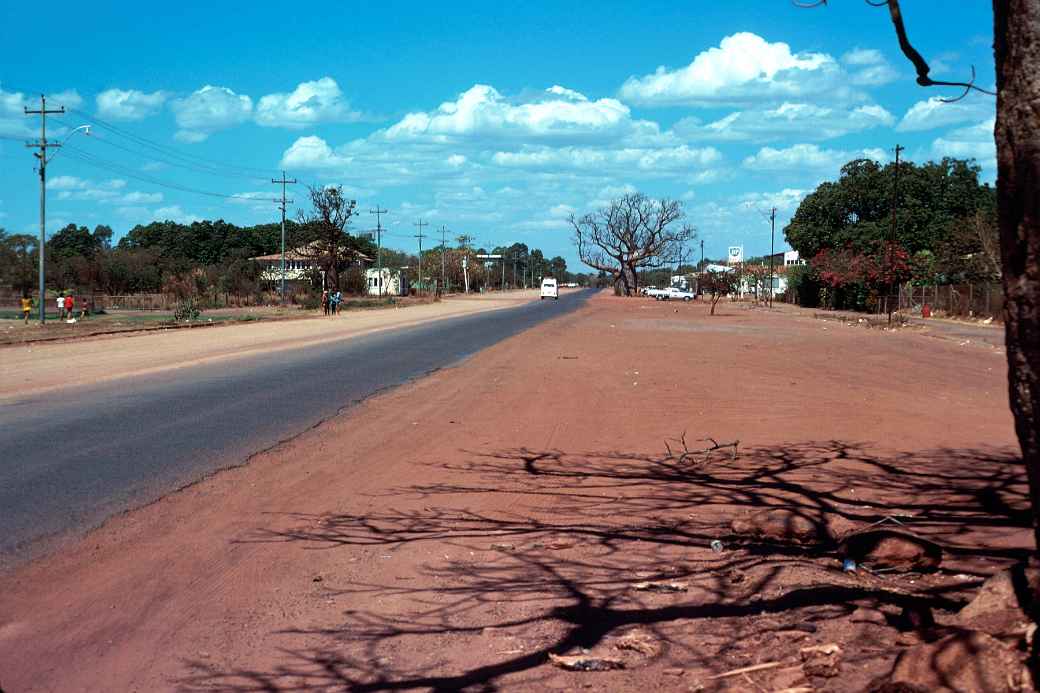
x,y
113,167
160,150
175,164
164,150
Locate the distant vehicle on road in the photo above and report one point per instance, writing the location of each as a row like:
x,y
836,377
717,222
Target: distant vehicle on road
x,y
673,293
648,290
550,289
570,285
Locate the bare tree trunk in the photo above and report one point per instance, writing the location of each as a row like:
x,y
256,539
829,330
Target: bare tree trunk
x,y
628,279
1017,53
332,273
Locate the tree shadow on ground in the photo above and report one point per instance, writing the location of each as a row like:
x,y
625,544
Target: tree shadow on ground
x,y
558,574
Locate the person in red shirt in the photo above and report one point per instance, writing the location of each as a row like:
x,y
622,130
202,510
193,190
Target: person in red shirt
x,y
68,305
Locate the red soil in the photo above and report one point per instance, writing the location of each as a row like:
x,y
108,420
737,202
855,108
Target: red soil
x,y
451,533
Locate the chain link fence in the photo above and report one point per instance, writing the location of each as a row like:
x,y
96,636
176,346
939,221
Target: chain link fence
x,y
954,300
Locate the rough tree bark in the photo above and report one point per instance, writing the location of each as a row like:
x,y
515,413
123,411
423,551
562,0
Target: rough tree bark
x,y
1017,54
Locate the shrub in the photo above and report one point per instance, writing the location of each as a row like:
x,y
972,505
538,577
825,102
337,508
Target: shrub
x,y
186,311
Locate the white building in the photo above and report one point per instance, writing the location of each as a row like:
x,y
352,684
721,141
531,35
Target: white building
x,y
301,264
386,282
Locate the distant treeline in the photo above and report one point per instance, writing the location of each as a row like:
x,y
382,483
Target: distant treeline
x,y
214,257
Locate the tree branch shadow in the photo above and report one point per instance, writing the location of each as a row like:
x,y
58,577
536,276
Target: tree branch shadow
x,y
601,522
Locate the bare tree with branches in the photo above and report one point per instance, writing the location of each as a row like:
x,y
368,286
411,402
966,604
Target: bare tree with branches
x,y
323,230
633,232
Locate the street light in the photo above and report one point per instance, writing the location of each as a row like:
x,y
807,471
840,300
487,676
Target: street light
x,y
85,129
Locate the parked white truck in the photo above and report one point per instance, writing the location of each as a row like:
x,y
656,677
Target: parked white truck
x,y
672,293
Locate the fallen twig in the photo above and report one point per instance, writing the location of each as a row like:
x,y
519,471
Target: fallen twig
x,y
745,670
688,455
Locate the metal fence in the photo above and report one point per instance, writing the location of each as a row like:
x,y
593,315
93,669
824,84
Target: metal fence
x,y
960,300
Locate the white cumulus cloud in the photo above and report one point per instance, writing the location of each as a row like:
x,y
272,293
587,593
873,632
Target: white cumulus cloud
x,y
744,68
129,104
797,157
175,213
805,120
133,198
312,152
208,110
972,142
935,113
656,161
313,102
15,123
483,111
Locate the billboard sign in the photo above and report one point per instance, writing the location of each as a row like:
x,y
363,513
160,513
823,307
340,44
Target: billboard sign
x,y
735,255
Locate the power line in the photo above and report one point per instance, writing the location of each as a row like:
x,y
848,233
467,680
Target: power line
x,y
170,162
113,167
250,172
166,150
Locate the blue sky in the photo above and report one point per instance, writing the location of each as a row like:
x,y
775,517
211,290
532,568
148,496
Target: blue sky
x,y
497,120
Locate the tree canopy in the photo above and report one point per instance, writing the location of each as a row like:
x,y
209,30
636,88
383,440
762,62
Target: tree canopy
x,y
944,229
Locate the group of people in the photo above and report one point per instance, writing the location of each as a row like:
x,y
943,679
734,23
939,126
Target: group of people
x,y
66,306
330,302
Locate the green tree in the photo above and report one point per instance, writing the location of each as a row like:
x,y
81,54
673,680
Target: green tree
x,y
71,241
18,259
856,209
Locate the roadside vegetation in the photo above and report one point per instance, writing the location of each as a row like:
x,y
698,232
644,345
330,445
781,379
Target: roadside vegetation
x,y
210,264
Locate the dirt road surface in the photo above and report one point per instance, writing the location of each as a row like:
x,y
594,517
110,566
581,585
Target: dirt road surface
x,y
452,533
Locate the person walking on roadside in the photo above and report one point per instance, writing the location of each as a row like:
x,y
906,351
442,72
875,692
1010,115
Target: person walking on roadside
x,y
26,307
337,299
60,302
69,305
325,302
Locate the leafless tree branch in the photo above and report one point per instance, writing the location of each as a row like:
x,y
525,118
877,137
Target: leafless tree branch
x,y
688,455
911,53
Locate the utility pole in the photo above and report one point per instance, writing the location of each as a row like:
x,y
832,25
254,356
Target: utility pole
x,y
444,239
379,245
420,224
772,234
514,269
281,205
892,240
702,255
43,145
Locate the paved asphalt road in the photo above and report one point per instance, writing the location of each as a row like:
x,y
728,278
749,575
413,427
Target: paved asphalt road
x,y
71,458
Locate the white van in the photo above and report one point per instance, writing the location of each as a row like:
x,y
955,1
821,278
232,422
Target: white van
x,y
549,289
